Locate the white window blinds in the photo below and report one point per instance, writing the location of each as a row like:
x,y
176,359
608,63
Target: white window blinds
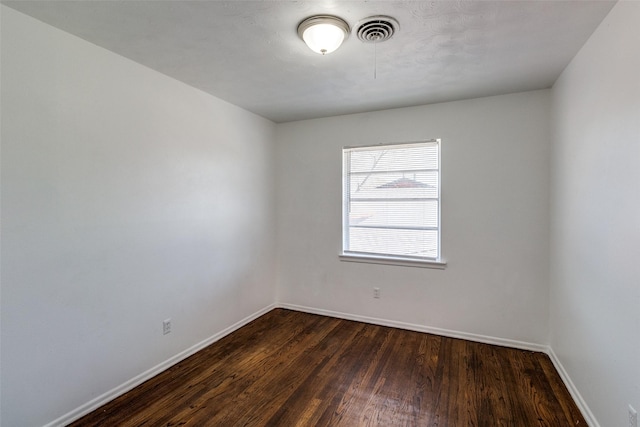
x,y
391,200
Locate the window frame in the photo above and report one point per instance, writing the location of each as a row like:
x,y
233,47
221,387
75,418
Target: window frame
x,y
437,262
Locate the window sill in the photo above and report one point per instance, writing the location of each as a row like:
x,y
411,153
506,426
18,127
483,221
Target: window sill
x,y
386,260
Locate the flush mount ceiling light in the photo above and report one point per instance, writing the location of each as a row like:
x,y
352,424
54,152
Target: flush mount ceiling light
x,y
323,33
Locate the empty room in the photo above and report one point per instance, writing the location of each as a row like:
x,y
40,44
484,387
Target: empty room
x,y
320,213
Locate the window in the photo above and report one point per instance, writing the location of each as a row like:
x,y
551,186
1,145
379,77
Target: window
x,y
391,204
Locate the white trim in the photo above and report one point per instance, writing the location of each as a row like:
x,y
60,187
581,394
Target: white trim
x,y
382,145
134,382
573,390
387,260
420,328
107,397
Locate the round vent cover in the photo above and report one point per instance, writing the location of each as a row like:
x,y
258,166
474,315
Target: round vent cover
x,y
376,29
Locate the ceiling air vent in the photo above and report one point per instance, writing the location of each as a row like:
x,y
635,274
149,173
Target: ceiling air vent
x,y
376,29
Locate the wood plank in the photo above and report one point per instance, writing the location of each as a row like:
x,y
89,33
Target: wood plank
x,y
296,369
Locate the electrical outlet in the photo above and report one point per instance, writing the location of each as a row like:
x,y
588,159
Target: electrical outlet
x,y
376,292
633,417
166,326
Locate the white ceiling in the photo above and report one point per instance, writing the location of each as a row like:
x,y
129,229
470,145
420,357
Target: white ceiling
x,y
248,52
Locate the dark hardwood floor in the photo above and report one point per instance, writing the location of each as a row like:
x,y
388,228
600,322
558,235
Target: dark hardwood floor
x,y
295,369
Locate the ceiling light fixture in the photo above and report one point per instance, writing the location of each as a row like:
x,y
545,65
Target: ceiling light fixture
x,y
323,33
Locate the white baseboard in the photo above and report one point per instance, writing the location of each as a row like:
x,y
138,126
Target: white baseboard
x,y
420,328
136,381
573,390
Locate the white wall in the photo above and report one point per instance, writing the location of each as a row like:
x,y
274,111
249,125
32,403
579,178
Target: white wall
x,y
127,198
495,195
595,293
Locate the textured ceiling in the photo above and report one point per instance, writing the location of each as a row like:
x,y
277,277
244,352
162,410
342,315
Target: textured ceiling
x,y
248,52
